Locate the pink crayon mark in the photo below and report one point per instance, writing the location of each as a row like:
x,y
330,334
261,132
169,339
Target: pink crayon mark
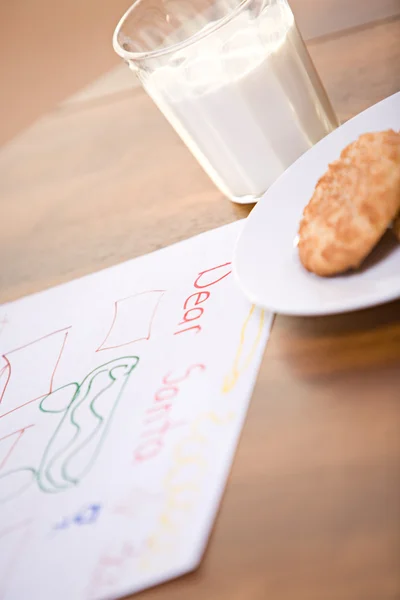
x,y
41,345
13,540
5,375
133,320
110,567
19,433
127,551
130,505
58,361
11,528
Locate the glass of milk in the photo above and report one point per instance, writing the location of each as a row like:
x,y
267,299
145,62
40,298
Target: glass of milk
x,y
234,79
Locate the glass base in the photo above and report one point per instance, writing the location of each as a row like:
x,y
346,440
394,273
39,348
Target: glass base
x,y
250,199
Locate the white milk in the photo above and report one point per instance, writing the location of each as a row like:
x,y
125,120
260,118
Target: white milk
x,y
246,100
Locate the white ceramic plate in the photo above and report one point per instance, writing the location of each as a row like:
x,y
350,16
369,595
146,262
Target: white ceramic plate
x,y
266,261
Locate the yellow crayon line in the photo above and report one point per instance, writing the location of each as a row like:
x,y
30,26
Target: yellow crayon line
x,y
166,535
233,377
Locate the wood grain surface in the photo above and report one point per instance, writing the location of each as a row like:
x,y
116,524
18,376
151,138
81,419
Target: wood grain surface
x,y
50,50
317,18
312,506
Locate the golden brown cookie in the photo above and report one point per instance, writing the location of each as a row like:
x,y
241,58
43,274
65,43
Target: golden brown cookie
x,y
352,205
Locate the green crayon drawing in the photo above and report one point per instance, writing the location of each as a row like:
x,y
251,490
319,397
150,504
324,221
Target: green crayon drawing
x,y
83,414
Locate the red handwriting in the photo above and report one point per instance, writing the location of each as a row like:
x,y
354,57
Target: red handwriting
x,y
5,375
125,328
21,358
157,420
19,433
20,390
192,310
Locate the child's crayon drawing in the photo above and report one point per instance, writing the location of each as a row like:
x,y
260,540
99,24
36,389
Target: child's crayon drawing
x,y
122,396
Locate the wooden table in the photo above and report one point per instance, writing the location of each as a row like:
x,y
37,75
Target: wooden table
x,y
312,506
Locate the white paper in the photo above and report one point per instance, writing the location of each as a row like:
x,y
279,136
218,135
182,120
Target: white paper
x,y
122,398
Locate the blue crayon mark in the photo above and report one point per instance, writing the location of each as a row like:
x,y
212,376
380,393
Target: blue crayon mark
x,y
88,516
85,516
62,525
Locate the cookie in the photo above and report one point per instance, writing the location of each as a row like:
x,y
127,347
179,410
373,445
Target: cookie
x,y
352,205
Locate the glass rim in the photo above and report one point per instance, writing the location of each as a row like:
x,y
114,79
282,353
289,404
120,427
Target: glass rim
x,y
137,56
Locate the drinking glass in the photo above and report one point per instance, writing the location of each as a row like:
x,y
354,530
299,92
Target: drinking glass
x,y
234,79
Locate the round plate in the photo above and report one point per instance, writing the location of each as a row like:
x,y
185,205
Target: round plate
x,y
266,260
